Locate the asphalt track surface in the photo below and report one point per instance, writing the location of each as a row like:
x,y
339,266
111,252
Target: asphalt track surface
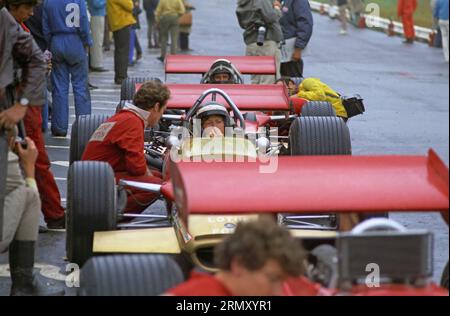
x,y
405,90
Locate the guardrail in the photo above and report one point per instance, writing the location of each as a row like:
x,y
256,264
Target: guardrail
x,y
377,22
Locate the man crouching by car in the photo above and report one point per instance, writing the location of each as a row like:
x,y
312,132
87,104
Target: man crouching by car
x,y
120,142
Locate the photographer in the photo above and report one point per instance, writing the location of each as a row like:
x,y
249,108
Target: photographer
x,y
22,75
262,35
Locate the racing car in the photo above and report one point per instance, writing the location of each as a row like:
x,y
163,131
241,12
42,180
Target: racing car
x,y
95,203
322,184
238,66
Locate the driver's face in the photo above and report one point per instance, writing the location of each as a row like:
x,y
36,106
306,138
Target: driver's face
x,y
220,78
214,122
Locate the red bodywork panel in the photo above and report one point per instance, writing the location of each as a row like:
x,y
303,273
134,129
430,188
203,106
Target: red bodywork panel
x,y
297,104
246,97
314,185
247,65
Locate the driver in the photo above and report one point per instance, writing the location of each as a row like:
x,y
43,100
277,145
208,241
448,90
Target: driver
x,y
214,118
222,71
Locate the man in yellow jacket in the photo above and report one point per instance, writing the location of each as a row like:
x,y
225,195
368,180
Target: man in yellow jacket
x,y
120,18
168,15
313,89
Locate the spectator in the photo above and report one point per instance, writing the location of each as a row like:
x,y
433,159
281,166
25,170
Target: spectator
x,y
152,33
441,13
297,26
168,15
261,17
343,6
186,26
66,31
405,11
97,9
356,9
254,261
134,39
22,205
50,196
120,141
120,17
34,24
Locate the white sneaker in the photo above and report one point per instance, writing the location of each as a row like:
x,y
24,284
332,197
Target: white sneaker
x,y
343,32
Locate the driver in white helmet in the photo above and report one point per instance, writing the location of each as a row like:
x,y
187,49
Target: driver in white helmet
x,y
214,119
222,71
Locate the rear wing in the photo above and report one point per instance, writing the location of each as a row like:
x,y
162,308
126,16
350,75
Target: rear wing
x,y
246,97
319,184
247,65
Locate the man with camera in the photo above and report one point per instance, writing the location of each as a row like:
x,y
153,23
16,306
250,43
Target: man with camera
x,y
22,75
262,35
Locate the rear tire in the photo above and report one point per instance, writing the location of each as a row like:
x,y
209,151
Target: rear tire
x,y
130,275
82,130
311,136
318,108
91,206
128,89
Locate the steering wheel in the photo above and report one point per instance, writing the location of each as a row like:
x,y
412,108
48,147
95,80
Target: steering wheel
x,y
378,224
214,92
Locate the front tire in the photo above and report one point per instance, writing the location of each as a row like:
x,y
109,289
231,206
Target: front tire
x,y
91,207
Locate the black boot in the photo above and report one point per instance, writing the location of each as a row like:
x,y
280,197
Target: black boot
x,y
21,263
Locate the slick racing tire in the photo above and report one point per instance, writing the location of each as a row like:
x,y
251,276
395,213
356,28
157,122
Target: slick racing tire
x,y
317,108
91,207
128,89
444,278
316,136
82,130
129,275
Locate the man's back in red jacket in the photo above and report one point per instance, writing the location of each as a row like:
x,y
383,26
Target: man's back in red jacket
x,y
120,142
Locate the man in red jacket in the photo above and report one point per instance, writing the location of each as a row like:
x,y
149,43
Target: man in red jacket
x,y
256,260
120,141
406,10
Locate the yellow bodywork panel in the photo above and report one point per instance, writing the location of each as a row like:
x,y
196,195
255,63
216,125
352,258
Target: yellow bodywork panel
x,y
153,240
304,233
213,225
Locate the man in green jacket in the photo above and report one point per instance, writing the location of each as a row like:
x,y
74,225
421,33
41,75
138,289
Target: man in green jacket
x,y
168,15
262,31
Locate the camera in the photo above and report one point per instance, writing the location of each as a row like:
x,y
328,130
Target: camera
x,y
261,36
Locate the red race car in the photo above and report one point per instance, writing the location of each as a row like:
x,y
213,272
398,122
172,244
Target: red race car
x,y
399,260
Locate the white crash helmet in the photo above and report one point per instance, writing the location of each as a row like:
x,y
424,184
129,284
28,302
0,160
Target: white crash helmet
x,y
214,108
221,66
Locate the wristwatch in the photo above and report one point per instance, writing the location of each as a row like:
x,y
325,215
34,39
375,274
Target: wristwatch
x,y
24,102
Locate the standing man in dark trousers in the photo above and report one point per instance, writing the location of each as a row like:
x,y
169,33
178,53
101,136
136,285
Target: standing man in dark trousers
x,y
168,15
152,33
67,32
297,25
120,18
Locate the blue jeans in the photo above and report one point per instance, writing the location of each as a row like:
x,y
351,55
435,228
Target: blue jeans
x,y
69,65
